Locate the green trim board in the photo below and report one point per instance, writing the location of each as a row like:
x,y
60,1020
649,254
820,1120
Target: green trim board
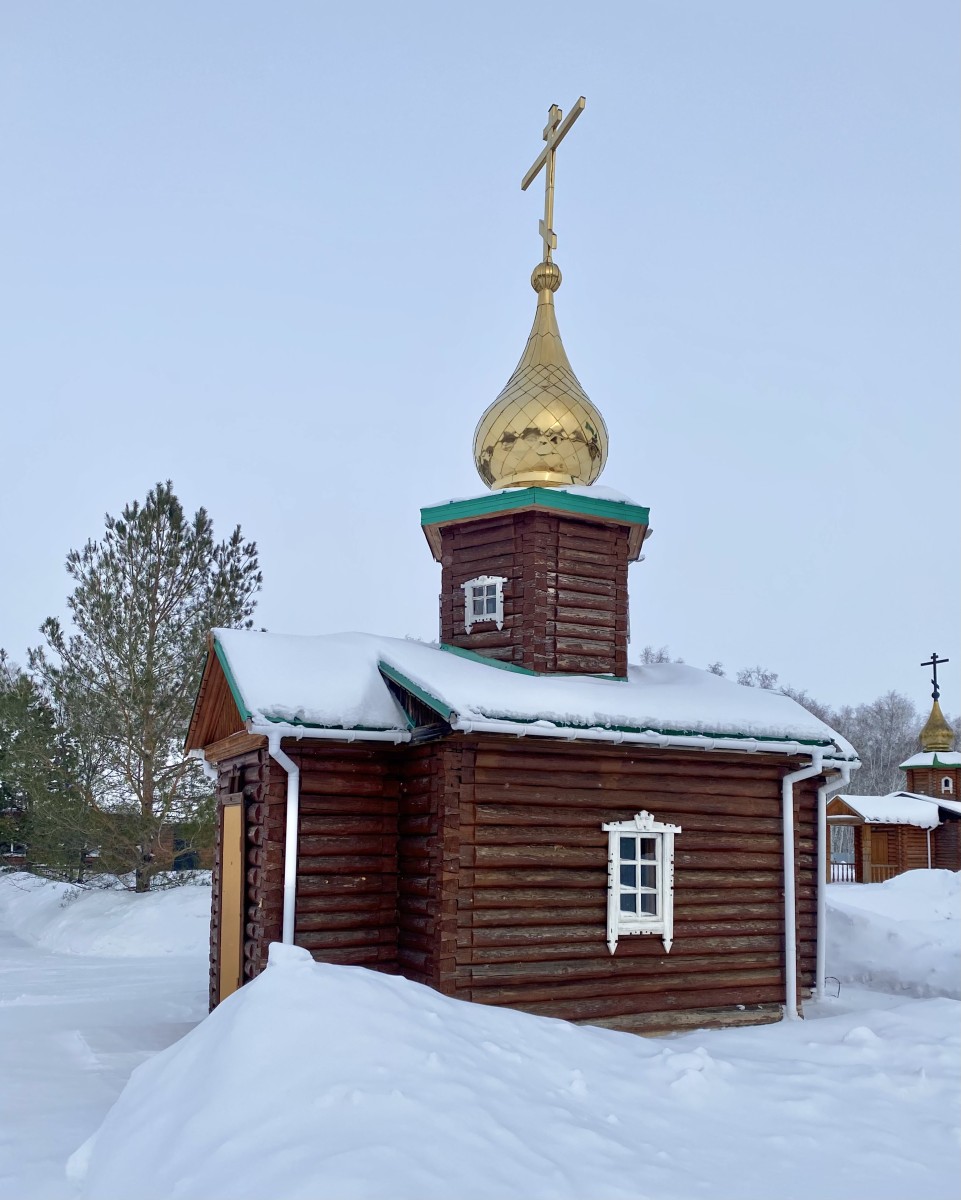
x,y
935,762
552,498
245,713
473,656
415,690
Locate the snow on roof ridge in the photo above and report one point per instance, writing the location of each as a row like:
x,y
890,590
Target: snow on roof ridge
x,y
896,808
333,681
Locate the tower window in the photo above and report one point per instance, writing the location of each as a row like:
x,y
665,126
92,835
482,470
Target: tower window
x,y
947,785
484,601
640,879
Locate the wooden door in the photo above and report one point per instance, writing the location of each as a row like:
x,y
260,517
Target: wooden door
x,y
232,897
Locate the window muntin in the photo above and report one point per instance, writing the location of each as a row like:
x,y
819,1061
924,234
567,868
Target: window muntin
x,y
484,601
640,892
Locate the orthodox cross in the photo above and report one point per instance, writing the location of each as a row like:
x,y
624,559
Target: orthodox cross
x,y
934,662
554,133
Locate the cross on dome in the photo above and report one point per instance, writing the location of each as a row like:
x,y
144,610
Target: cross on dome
x,y
555,131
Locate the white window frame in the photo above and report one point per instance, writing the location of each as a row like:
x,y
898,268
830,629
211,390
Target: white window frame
x,y
497,616
947,785
626,924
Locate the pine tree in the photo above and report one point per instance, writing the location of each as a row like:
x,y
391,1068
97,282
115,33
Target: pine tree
x,y
125,678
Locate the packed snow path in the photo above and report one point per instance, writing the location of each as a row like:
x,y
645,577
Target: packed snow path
x,y
71,1031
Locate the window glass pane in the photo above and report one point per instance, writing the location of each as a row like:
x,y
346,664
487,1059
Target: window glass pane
x,y
491,590
628,847
477,607
649,877
491,604
629,903
648,903
648,848
628,875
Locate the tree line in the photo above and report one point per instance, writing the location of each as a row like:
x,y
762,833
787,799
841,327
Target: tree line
x,y
883,731
93,782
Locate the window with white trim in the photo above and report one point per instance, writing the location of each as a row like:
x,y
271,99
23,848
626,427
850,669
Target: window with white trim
x,y
947,785
484,600
640,879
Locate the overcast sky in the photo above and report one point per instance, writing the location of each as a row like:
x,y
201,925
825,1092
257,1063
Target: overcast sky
x,y
279,254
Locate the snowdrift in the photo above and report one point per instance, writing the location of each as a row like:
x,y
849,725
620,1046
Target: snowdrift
x,y
903,935
317,1082
108,924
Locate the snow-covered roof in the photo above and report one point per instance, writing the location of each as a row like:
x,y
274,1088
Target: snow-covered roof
x,y
340,681
933,758
898,808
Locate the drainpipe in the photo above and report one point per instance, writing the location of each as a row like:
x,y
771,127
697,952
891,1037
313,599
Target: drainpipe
x,y
273,734
292,826
928,831
824,858
790,902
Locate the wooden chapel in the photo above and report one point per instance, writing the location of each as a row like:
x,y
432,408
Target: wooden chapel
x,y
516,815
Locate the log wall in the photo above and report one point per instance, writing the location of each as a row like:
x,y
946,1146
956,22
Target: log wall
x,y
532,887
479,866
565,599
926,781
946,846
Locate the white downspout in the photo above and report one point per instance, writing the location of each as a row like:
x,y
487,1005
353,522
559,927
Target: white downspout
x,y
824,858
928,831
292,827
790,901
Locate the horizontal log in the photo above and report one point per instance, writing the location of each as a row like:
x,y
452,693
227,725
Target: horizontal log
x,y
554,956
379,957
347,825
611,996
348,806
342,864
572,816
374,883
380,844
660,1002
678,794
363,924
342,939
602,760
586,618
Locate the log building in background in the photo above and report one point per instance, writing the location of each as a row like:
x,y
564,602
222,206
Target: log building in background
x,y
874,838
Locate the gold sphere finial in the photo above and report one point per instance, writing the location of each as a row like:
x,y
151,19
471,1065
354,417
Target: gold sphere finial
x,y
546,275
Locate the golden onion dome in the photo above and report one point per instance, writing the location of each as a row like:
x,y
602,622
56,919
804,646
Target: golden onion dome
x,y
542,430
937,734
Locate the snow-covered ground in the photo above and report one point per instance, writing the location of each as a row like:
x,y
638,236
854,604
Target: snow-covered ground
x,y
73,1026
326,1083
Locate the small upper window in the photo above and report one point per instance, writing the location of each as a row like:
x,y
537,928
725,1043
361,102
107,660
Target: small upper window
x,y
640,873
484,601
947,785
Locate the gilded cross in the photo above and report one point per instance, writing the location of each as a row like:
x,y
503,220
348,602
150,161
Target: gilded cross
x,y
554,133
934,662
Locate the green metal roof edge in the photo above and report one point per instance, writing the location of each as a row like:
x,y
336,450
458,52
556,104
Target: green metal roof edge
x,y
473,656
934,763
588,506
415,690
245,713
